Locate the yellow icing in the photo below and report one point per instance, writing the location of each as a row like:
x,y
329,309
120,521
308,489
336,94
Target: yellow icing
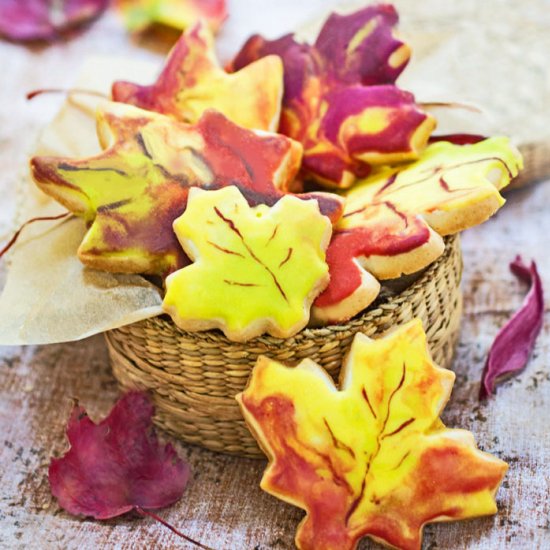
x,y
471,175
250,97
256,270
375,451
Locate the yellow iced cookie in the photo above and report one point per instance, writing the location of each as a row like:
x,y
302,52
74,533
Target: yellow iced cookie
x,y
255,269
371,458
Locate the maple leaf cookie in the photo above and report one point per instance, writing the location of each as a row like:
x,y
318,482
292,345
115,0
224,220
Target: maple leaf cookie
x,y
372,457
254,270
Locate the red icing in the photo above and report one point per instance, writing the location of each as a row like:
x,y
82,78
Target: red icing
x,y
292,475
386,239
240,157
368,63
404,119
458,139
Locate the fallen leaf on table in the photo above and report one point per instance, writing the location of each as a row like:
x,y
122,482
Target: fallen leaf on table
x,y
340,101
29,20
255,269
178,14
373,457
131,193
394,220
118,465
193,81
515,341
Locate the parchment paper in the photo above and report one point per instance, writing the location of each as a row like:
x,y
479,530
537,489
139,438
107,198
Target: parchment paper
x,y
49,296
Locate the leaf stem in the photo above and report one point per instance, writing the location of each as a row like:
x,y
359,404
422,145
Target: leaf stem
x,y
143,512
15,236
68,91
450,105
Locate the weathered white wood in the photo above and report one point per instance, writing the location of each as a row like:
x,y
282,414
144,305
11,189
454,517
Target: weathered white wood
x,y
224,506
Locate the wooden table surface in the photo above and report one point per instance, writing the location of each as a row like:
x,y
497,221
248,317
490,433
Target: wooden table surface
x,y
223,505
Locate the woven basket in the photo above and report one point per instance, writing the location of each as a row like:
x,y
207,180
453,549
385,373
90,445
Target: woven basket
x,y
536,159
194,377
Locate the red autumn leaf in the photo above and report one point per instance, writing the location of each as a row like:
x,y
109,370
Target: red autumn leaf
x,y
28,20
515,341
117,465
340,101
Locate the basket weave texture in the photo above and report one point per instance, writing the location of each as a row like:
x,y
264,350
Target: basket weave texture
x,y
536,159
194,377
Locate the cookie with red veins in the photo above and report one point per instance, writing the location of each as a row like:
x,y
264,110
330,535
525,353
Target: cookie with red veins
x,y
370,457
255,269
395,220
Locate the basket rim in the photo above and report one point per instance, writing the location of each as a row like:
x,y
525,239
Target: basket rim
x,y
373,311
194,376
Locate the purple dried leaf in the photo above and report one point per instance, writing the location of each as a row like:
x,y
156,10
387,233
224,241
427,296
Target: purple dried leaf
x,y
515,341
117,465
30,20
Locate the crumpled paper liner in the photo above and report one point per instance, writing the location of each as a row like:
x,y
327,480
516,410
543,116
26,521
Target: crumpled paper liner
x,y
49,296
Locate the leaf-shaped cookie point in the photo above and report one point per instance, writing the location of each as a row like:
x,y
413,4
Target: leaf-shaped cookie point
x,y
361,47
193,81
131,193
29,20
255,269
117,465
515,341
340,101
394,220
177,14
371,458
